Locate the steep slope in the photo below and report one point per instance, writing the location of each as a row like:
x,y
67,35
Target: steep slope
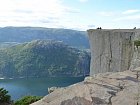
x,y
43,58
25,34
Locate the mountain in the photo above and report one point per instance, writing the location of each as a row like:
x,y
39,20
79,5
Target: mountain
x,y
26,34
40,58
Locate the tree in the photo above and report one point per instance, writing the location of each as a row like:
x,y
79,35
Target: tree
x,y
4,97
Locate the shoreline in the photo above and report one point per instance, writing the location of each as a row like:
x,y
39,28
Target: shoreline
x,y
3,78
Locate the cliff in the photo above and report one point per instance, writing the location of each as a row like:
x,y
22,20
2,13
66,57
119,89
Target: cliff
x,y
111,50
120,88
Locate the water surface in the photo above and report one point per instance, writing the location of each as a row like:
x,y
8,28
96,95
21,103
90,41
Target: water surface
x,y
35,86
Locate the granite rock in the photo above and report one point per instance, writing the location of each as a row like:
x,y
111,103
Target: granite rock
x,y
120,88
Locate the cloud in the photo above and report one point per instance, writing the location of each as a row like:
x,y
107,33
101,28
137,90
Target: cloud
x,y
71,10
132,11
45,13
23,11
30,8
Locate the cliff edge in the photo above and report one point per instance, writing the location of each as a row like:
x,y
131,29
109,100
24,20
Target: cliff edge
x,y
120,88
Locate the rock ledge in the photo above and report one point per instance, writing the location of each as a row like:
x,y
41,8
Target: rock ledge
x,y
120,88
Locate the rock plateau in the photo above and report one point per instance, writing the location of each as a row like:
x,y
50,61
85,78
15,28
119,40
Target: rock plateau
x,y
120,88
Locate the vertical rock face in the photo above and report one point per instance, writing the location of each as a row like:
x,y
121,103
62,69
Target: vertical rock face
x,y
136,59
111,50
136,56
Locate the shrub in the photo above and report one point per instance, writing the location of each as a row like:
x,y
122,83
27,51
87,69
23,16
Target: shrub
x,y
27,100
137,43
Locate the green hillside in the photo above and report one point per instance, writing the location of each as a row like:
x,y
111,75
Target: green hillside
x,y
43,58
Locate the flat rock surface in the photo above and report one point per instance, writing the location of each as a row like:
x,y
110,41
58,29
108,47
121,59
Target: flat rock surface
x,y
120,88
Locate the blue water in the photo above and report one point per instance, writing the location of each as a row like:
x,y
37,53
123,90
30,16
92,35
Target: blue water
x,y
35,86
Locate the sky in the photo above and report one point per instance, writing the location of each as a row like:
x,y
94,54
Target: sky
x,y
71,14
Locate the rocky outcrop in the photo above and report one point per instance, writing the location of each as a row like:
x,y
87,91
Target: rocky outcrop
x,y
120,88
111,50
51,89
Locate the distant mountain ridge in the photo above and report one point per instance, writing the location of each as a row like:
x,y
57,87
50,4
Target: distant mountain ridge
x,y
74,38
40,58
